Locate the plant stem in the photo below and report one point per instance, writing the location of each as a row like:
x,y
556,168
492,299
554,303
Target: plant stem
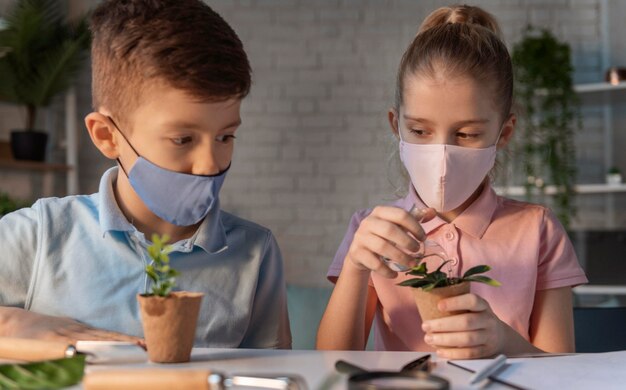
x,y
31,115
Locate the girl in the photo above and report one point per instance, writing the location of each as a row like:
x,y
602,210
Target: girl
x,y
452,111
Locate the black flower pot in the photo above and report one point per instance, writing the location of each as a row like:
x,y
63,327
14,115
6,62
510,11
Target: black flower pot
x,y
29,145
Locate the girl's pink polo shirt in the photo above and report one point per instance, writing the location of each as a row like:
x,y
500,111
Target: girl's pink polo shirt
x,y
524,243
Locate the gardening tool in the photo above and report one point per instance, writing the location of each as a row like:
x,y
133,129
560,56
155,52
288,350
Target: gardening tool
x,y
413,375
164,379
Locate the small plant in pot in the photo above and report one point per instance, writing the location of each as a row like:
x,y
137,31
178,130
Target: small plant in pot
x,y
40,53
169,317
431,287
614,176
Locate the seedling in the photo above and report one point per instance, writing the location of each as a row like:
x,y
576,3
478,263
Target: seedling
x,y
159,271
436,279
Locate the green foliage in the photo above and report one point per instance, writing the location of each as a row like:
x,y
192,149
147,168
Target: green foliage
x,y
8,204
51,374
614,170
159,271
42,54
430,280
550,115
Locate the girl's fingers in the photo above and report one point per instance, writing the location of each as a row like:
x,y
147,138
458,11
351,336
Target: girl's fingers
x,y
476,352
424,215
457,339
456,323
366,259
394,234
402,218
470,302
366,240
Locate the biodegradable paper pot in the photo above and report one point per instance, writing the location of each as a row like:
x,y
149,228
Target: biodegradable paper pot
x,y
169,325
427,300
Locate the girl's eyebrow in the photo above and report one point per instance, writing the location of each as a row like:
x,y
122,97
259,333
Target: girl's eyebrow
x,y
477,121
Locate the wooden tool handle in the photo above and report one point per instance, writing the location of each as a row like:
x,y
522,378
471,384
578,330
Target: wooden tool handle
x,y
31,350
149,379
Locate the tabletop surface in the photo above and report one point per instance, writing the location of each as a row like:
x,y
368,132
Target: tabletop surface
x,y
316,367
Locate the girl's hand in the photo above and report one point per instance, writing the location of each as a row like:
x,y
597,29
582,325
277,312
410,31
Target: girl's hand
x,y
385,232
476,334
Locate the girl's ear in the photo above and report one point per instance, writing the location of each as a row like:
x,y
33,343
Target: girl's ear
x,y
102,134
392,115
508,129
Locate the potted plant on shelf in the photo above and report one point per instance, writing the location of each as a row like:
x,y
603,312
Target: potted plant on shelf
x,y
41,54
431,287
547,119
614,176
168,317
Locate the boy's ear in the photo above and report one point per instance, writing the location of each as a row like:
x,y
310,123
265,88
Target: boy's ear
x,y
508,129
392,115
102,134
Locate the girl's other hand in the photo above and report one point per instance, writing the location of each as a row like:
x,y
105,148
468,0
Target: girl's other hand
x,y
476,334
386,232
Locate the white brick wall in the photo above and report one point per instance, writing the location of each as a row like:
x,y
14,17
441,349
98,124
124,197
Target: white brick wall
x,y
314,144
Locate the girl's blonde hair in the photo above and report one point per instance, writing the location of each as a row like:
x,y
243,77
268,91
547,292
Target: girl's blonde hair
x,y
460,40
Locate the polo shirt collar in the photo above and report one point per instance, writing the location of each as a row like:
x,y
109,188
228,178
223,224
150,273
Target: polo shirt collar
x,y
474,220
211,234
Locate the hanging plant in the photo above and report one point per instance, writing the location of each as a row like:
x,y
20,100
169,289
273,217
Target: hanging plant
x,y
548,118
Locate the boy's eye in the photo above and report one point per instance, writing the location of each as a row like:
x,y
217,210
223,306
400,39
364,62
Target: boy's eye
x,y
225,138
181,140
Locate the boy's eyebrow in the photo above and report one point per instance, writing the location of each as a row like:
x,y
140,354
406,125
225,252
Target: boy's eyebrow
x,y
477,121
194,126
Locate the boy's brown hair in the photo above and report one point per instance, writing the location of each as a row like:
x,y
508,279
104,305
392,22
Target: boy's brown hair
x,y
183,43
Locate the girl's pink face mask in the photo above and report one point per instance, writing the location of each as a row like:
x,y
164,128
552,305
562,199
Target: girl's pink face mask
x,y
445,176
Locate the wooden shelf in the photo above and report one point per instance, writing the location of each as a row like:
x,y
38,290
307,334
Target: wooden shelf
x,y
599,290
598,87
34,166
599,188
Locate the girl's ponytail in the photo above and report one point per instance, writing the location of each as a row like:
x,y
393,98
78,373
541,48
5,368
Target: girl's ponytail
x,y
460,41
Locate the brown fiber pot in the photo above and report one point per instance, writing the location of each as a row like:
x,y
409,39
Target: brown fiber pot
x,y
169,325
427,300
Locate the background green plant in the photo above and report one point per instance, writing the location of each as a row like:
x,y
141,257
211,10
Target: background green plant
x,y
42,54
429,280
9,204
548,118
159,271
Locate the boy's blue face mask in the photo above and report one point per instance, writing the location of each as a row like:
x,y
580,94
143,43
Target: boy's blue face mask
x,y
178,198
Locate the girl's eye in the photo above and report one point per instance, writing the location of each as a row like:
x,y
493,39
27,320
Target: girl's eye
x,y
179,141
467,135
419,132
225,138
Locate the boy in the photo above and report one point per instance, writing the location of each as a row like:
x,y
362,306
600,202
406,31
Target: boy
x,y
168,80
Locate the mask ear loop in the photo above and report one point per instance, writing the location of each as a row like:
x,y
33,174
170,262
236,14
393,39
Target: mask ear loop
x,y
127,141
500,133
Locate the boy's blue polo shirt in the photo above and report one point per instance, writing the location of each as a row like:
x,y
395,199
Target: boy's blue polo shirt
x,y
79,257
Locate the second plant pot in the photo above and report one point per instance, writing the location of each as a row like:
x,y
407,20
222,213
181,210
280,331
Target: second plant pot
x,y
427,300
169,325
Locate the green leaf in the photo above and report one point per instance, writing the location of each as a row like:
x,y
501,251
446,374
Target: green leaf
x,y
442,264
52,374
483,279
419,269
414,283
479,269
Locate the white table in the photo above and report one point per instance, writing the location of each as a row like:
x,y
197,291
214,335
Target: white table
x,y
316,367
